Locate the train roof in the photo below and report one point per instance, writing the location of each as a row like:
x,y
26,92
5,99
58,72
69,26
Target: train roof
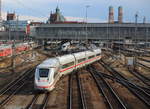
x,y
80,55
52,62
97,50
66,59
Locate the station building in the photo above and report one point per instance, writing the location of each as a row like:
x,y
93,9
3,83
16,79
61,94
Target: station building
x,y
58,28
94,31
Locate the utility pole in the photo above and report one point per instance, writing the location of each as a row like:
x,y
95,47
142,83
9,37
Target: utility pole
x,y
87,6
120,42
0,10
0,13
17,29
136,21
9,31
136,42
107,39
146,31
136,17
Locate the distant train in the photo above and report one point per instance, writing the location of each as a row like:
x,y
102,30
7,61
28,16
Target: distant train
x,y
50,71
6,50
66,47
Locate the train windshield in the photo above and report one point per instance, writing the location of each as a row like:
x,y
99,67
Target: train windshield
x,y
43,72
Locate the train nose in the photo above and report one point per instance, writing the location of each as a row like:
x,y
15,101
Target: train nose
x,y
45,87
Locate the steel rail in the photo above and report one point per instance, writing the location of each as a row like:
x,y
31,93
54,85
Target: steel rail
x,y
110,95
33,101
118,75
143,65
70,91
14,89
81,91
14,82
82,102
144,60
141,94
45,101
35,98
148,79
110,69
118,80
2,103
139,76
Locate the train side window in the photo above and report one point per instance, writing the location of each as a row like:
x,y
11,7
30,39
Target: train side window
x,y
91,57
67,65
81,60
98,54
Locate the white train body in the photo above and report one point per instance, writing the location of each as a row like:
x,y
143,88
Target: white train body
x,y
50,71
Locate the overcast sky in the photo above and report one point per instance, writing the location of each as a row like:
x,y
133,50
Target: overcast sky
x,y
97,12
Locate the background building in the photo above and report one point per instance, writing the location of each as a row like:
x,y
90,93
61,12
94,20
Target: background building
x,y
94,31
16,25
14,28
11,16
56,17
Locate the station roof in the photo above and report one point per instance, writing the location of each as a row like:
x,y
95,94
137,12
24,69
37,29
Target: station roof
x,y
94,25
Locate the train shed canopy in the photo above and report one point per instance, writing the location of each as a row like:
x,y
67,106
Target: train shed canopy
x,y
94,31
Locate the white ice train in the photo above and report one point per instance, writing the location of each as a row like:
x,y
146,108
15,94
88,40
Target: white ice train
x,y
50,71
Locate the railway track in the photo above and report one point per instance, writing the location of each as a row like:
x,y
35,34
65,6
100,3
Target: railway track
x,y
110,69
118,75
108,92
139,92
76,95
39,101
144,60
82,91
141,77
13,87
140,64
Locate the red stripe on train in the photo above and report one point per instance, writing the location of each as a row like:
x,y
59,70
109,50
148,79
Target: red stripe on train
x,y
46,86
80,63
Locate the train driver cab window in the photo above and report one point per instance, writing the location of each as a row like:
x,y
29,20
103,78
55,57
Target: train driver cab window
x,y
43,72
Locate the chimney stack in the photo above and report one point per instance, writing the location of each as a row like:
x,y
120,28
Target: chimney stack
x,y
120,14
111,14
